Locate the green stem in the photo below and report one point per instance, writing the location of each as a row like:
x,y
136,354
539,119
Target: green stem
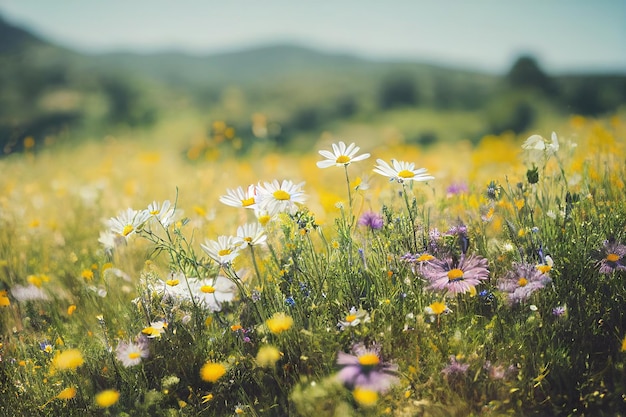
x,y
412,220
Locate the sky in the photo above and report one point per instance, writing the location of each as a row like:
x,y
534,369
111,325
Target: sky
x,y
564,35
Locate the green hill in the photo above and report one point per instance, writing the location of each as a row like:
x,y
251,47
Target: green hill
x,y
48,89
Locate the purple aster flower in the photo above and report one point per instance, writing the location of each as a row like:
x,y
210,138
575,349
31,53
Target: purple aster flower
x,y
366,369
522,281
611,257
456,188
371,220
456,276
559,311
454,369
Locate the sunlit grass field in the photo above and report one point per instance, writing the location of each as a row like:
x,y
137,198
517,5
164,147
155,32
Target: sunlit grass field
x,y
131,285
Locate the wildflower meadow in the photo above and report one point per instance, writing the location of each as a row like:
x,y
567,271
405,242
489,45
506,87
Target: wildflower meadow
x,y
353,278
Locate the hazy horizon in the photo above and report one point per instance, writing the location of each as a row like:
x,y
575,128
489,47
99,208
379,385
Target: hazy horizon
x,y
565,36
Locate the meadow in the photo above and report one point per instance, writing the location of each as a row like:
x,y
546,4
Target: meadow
x,y
144,275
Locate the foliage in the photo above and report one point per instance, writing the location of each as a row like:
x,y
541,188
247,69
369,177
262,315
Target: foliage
x,y
330,308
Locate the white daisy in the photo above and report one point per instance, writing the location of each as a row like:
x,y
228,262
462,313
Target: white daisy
x,y
401,171
223,250
280,197
250,234
163,212
341,155
240,198
211,293
128,222
538,143
131,353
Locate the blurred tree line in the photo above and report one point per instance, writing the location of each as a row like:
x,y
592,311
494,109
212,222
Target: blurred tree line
x,y
47,91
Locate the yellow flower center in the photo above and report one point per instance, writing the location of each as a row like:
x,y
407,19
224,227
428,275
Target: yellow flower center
x,y
172,282
127,229
438,307
248,239
455,274
247,202
522,282
369,359
405,173
350,318
425,257
155,212
134,355
612,257
281,195
224,252
207,289
264,219
342,159
544,268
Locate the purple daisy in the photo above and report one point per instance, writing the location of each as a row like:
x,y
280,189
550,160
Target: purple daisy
x,y
522,281
366,369
611,257
454,370
371,220
456,277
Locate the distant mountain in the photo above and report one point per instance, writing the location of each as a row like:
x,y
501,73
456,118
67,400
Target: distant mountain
x,y
45,88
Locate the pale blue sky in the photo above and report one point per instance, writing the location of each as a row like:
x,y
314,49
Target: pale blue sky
x,y
566,35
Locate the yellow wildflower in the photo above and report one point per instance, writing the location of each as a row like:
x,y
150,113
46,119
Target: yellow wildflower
x,y
279,323
107,398
211,372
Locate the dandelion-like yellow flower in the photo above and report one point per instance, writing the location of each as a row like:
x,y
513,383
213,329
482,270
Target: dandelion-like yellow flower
x,y
365,397
211,372
438,307
624,344
107,398
279,323
267,356
4,299
67,393
70,359
71,309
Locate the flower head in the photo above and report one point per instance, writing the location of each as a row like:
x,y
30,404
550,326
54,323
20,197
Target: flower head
x,y
522,281
211,371
267,356
371,220
401,171
128,222
611,257
275,197
250,234
436,309
341,155
279,322
156,329
67,393
454,369
164,213
107,398
131,353
69,359
456,276
223,250
353,318
240,197
366,369
538,143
